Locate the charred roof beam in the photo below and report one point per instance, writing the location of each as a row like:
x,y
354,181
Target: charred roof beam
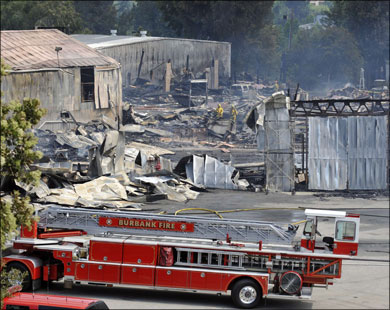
x,y
340,107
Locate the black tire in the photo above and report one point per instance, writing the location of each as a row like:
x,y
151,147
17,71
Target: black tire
x,y
27,282
246,293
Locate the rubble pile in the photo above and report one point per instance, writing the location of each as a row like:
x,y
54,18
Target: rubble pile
x,y
163,149
175,115
349,91
93,167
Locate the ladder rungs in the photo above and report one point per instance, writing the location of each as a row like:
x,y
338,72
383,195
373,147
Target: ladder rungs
x,y
101,221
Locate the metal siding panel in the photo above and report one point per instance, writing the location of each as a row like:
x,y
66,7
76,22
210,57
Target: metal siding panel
x,y
220,175
198,164
367,152
102,89
96,89
229,172
210,172
327,153
352,149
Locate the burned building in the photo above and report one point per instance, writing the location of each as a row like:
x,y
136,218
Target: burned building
x,y
329,144
63,73
147,57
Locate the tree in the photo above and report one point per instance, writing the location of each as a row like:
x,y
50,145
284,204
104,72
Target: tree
x,y
17,143
97,16
124,17
238,22
268,56
368,22
21,15
144,15
323,56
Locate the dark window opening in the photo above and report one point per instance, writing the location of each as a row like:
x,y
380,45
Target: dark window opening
x,y
87,84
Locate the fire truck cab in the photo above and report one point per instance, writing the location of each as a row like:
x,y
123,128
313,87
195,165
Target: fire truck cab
x,y
345,239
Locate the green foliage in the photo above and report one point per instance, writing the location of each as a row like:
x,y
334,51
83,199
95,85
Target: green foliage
x,y
294,13
268,56
238,22
20,15
300,9
97,16
144,15
17,143
9,279
368,22
319,9
323,55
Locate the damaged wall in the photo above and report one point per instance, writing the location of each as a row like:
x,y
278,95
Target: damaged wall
x,y
155,52
279,147
208,171
60,90
274,135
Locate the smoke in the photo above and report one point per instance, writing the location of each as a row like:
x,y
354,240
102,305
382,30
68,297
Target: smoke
x,y
323,89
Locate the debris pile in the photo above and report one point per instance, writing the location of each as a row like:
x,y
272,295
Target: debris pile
x,y
168,146
351,92
94,167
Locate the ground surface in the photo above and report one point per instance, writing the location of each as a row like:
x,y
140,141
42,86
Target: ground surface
x,y
364,284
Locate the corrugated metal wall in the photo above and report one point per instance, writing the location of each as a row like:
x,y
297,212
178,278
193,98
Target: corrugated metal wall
x,y
347,153
60,90
157,53
367,152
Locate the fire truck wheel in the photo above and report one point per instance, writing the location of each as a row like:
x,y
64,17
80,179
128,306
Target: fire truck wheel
x,y
26,283
246,293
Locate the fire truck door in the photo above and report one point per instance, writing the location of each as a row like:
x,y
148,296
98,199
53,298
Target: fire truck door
x,y
171,277
103,272
138,275
205,280
139,254
347,236
139,262
82,271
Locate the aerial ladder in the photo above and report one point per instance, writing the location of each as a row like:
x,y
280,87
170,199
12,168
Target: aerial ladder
x,y
94,222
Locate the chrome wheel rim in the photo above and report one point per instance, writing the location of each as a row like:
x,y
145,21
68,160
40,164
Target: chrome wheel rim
x,y
248,294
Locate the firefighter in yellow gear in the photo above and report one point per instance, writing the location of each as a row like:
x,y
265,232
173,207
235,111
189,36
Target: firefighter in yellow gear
x,y
276,86
219,111
233,113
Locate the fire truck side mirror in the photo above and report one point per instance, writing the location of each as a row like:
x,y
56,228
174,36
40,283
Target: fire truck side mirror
x,y
307,230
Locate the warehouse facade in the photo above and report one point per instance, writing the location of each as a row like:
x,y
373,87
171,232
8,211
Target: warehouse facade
x,y
146,57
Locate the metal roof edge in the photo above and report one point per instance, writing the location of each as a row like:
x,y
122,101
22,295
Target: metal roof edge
x,y
106,60
101,67
121,42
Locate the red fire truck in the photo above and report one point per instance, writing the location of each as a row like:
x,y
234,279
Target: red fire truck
x,y
252,259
